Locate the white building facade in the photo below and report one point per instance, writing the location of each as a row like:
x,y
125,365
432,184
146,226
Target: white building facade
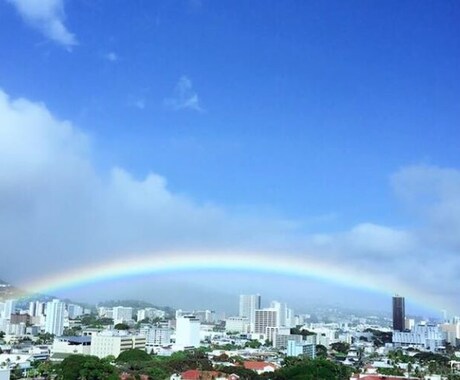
x,y
188,331
248,305
54,322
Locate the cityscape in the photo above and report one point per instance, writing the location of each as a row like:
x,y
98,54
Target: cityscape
x,y
39,339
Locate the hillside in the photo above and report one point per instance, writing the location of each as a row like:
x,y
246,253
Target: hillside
x,y
8,291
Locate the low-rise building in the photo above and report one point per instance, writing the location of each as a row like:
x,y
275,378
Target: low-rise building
x,y
301,348
72,345
113,343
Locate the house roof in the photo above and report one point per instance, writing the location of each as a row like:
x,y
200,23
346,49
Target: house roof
x,y
195,374
257,366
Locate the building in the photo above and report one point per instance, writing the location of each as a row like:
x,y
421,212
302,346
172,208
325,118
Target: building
x,y
248,305
283,336
156,336
37,308
264,318
429,337
114,343
301,348
259,367
5,373
17,318
9,308
74,311
452,331
105,312
399,313
237,324
188,331
72,345
150,313
54,322
122,314
281,312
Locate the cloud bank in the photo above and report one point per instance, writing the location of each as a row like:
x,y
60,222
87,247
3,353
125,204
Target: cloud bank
x,y
59,211
48,17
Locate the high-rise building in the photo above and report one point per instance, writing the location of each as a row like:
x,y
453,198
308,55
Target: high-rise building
x,y
248,305
399,313
188,331
74,311
281,309
122,314
265,318
54,323
10,308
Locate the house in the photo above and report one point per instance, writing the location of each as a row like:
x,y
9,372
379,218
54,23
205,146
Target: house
x,y
195,374
259,367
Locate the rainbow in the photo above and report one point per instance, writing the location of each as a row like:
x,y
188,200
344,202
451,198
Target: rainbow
x,y
229,261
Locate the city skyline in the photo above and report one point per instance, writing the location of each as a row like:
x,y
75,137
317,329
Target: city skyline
x,y
191,141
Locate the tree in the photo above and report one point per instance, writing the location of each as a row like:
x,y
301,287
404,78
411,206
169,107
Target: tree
x,y
394,371
341,347
45,338
253,344
84,367
316,369
321,351
121,326
133,355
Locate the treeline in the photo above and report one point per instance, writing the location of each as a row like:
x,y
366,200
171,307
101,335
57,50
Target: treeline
x,y
137,363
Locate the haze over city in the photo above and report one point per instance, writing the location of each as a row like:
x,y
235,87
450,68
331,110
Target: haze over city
x,y
319,133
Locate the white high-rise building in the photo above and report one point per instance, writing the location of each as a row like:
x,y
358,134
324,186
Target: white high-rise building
x,y
74,311
10,308
188,331
122,314
54,322
248,305
281,310
33,309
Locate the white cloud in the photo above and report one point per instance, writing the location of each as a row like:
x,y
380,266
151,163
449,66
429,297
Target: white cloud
x,y
58,210
56,205
184,96
47,16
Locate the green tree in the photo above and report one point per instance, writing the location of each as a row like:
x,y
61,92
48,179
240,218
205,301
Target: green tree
x,y
84,367
321,351
121,326
45,338
133,355
341,347
253,344
394,371
316,369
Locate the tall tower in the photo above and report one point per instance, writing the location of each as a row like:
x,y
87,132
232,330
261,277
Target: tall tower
x,y
54,323
399,313
248,306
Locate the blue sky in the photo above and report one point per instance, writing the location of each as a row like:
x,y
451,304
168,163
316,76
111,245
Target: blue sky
x,y
299,111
